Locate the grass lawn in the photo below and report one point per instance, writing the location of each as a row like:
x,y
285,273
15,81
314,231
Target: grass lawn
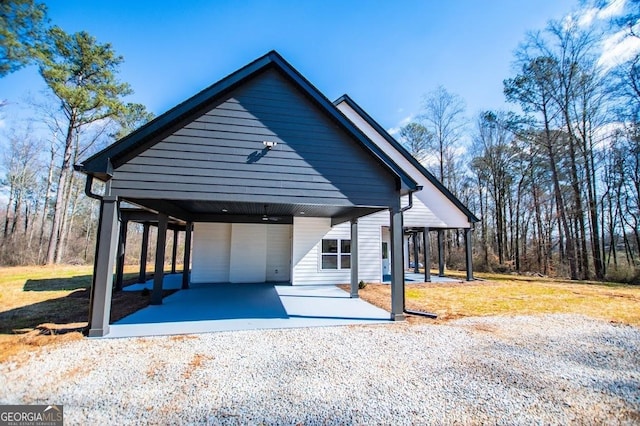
x,y
40,305
45,305
515,295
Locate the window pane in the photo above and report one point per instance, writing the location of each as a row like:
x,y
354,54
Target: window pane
x,y
329,246
329,261
345,246
345,261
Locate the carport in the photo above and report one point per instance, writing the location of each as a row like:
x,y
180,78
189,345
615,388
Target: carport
x,y
261,143
226,307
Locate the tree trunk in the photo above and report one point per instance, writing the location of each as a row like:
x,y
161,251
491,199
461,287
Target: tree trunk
x,y
67,217
571,254
9,204
58,211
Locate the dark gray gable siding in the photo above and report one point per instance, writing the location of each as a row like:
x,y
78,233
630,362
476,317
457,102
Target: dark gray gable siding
x,y
221,156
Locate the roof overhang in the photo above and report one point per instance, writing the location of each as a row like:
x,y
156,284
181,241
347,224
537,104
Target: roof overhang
x,y
101,164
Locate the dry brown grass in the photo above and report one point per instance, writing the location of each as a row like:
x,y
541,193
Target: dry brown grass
x,y
509,295
43,305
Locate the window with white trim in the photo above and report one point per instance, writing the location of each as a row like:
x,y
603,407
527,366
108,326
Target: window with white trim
x,y
336,254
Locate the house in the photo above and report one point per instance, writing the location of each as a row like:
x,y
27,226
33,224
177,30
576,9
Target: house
x,y
273,183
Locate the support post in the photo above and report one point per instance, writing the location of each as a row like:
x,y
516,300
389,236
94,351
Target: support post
x,y
427,255
122,245
354,259
440,253
416,263
158,273
469,253
174,251
142,278
187,256
102,285
397,265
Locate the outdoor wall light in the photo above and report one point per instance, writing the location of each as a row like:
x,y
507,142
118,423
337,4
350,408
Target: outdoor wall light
x,y
269,144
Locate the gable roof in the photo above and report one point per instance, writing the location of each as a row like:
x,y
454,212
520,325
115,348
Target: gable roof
x,y
102,163
366,117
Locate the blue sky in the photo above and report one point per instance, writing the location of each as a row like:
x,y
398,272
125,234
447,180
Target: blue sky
x,y
385,54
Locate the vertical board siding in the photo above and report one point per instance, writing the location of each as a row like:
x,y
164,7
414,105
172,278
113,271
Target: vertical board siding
x,y
248,253
241,253
279,253
314,162
211,242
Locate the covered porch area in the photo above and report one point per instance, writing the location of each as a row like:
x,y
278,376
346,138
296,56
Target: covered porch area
x,y
417,252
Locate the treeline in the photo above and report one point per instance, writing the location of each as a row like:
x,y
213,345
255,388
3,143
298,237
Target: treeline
x,y
47,217
556,180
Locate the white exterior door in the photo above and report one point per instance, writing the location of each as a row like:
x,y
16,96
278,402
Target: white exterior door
x,y
386,251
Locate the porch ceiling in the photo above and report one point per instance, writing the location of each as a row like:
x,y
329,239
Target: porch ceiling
x,y
233,211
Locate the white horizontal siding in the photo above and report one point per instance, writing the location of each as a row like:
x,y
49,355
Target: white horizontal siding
x,y
370,246
443,212
308,233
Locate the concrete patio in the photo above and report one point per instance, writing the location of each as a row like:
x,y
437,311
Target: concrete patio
x,y
225,307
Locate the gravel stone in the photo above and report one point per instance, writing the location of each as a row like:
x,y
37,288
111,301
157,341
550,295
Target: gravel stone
x,y
551,369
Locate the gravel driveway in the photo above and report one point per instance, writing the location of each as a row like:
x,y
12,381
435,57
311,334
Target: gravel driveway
x,y
521,370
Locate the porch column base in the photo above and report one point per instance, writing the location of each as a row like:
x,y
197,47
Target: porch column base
x,y
98,332
398,317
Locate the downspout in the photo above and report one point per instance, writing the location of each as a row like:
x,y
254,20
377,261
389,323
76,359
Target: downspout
x,y
88,189
404,307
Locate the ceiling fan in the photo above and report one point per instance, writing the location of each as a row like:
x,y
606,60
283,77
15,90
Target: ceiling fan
x,y
267,218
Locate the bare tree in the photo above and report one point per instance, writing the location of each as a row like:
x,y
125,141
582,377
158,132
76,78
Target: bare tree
x,y
443,117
